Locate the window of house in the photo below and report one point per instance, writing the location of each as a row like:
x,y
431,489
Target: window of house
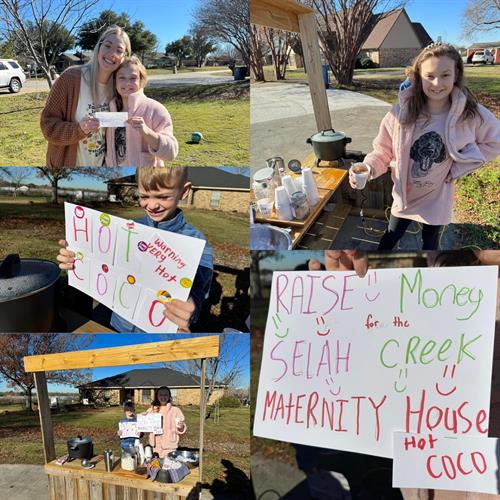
x,y
215,199
146,396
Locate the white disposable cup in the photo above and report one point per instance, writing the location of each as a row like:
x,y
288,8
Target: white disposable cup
x,y
265,206
289,185
309,187
360,173
282,204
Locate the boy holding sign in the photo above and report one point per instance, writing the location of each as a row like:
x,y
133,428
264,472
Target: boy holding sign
x,y
160,191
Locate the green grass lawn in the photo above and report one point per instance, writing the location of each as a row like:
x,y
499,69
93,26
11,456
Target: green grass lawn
x,y
219,112
228,439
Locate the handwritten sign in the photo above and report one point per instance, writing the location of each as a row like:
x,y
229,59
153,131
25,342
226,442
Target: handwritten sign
x,y
151,422
131,268
128,429
449,463
349,360
112,119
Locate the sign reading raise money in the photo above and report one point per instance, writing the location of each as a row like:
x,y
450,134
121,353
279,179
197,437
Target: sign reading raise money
x,y
349,360
131,268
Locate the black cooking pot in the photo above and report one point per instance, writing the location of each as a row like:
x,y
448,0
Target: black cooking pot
x,y
329,145
27,294
80,447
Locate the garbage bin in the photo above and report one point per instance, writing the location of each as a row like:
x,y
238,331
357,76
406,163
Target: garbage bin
x,y
240,72
326,76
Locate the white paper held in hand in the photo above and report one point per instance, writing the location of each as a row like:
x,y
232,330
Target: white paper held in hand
x,y
112,119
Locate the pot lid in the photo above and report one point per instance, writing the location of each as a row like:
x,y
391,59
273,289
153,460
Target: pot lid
x,y
263,174
328,136
22,277
80,440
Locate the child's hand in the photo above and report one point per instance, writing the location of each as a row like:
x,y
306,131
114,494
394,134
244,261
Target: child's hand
x,y
180,312
65,257
343,260
89,124
137,123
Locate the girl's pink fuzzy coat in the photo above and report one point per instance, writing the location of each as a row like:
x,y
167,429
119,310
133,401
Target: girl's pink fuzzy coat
x,y
169,440
157,118
470,143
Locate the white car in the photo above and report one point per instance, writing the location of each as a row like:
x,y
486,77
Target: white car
x,y
11,75
483,57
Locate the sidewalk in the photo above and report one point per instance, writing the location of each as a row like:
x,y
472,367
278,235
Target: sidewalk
x,y
20,482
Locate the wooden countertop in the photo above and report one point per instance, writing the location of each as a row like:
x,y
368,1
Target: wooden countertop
x,y
121,477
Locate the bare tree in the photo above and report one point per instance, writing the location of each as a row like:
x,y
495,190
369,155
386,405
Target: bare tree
x,y
13,349
46,17
343,27
225,370
56,174
16,175
256,55
480,16
227,21
279,43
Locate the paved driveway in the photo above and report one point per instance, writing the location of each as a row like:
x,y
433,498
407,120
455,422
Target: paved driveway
x,y
282,119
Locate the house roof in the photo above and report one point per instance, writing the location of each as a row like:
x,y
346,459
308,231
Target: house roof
x,y
154,377
424,37
208,177
384,25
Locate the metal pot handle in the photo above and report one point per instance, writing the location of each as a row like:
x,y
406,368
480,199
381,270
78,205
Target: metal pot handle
x,y
327,130
11,266
348,140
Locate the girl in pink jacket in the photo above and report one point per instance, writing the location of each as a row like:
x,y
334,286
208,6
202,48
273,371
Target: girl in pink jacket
x,y
148,139
436,134
173,424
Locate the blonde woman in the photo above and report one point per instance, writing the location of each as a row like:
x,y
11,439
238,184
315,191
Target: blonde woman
x,y
148,140
67,121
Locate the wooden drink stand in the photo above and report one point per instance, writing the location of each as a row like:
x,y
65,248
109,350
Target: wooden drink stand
x,y
71,481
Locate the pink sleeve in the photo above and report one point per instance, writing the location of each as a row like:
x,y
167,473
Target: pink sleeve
x,y
486,147
382,155
162,125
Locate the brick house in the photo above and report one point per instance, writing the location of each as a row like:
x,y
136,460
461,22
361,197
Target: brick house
x,y
212,189
493,47
395,40
139,386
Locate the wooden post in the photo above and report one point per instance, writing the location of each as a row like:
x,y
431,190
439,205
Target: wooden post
x,y
202,413
312,61
49,449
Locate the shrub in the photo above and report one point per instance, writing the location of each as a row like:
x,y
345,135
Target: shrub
x,y
229,402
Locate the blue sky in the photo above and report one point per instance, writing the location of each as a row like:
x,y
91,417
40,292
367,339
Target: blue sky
x,y
105,340
444,18
85,182
169,20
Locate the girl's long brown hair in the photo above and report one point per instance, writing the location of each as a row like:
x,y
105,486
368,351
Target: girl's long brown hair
x,y
416,102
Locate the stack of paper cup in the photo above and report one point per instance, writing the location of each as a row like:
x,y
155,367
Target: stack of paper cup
x,y
289,185
282,204
310,188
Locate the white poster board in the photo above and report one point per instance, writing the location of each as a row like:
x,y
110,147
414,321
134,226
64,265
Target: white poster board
x,y
128,429
348,360
131,268
151,422
460,463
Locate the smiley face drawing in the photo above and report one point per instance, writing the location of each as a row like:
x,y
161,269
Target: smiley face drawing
x,y
186,283
164,296
105,219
